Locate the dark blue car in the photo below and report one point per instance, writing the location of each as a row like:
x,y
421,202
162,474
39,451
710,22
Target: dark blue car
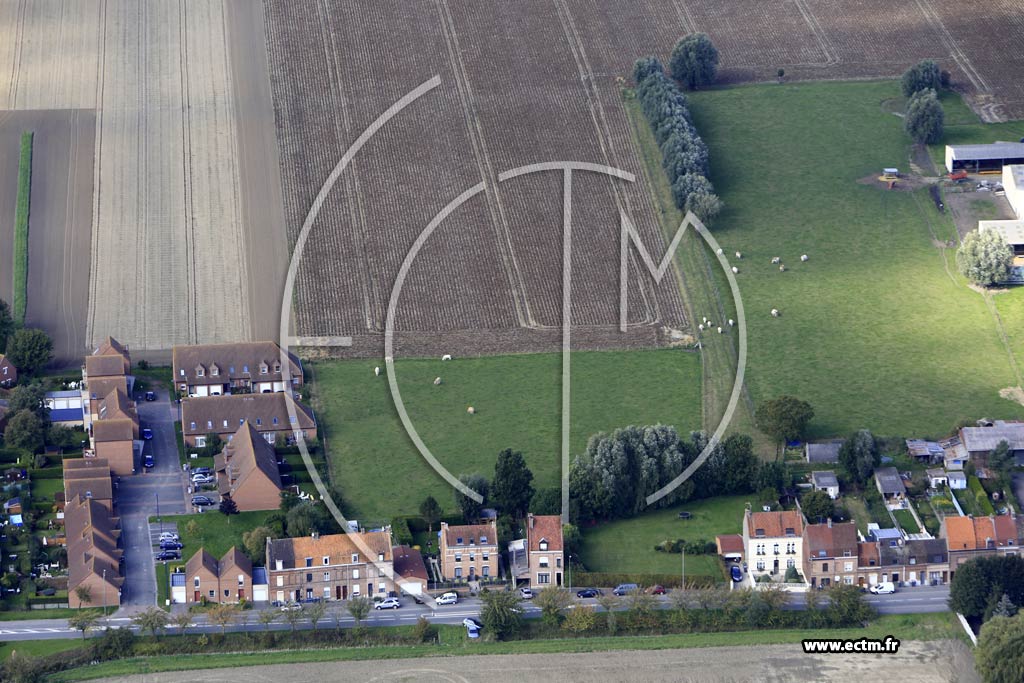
x,y
736,573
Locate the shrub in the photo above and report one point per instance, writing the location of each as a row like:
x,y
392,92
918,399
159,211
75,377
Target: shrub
x,y
922,76
984,258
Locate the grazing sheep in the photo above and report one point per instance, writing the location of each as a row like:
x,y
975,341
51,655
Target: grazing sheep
x,y
719,330
471,410
446,356
776,260
782,269
376,371
731,322
739,255
437,381
803,257
701,327
735,270
775,313
720,252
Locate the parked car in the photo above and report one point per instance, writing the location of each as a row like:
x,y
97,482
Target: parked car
x,y
171,545
883,588
472,632
148,462
657,590
736,573
388,603
150,395
589,593
147,433
526,593
201,479
447,599
201,500
471,622
201,470
625,589
169,536
165,555
291,607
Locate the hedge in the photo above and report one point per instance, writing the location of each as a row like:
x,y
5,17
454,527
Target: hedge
x,y
614,579
20,269
47,473
33,600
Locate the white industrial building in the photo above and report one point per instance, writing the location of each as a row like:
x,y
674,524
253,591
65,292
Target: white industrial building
x,y
977,158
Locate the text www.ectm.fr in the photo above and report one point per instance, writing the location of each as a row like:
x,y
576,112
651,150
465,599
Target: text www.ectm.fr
x,y
889,645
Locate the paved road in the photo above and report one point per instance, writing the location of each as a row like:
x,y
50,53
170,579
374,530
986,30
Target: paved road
x,y
905,601
138,497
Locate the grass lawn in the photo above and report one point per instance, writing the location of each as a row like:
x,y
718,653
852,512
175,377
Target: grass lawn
x,y
858,512
455,643
38,648
628,545
517,402
43,489
906,521
216,532
877,325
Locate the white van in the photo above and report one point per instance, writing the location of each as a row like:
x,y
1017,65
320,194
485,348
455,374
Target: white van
x,y
883,588
447,599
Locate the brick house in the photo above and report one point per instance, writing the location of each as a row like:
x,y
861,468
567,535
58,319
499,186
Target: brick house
x,y
226,581
773,541
970,537
117,406
831,553
94,555
244,367
113,440
409,567
247,471
223,415
107,369
88,478
332,567
469,552
914,562
8,373
545,553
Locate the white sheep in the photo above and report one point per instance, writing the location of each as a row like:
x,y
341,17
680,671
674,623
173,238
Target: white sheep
x,y
775,313
720,252
776,260
735,270
446,356
376,371
782,268
471,410
803,257
437,381
701,327
719,329
731,322
739,255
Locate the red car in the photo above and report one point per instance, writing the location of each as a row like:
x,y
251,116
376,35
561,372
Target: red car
x,y
658,590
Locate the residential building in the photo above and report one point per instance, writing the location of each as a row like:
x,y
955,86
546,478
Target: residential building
x,y
410,569
826,452
937,478
956,480
826,481
979,442
202,580
243,367
247,471
113,440
88,478
954,455
105,370
546,552
970,537
229,580
773,541
117,406
924,561
94,555
223,415
333,567
8,373
469,552
730,546
887,536
831,553
890,484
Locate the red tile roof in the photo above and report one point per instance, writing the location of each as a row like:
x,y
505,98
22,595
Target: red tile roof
x,y
544,527
409,563
775,524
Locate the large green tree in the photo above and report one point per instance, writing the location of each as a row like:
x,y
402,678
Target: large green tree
x,y
922,76
999,657
430,511
512,486
500,614
859,455
25,430
925,117
817,506
30,397
784,418
979,584
984,257
307,517
469,507
30,350
694,61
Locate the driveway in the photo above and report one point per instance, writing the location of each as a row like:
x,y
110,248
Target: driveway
x,y
161,489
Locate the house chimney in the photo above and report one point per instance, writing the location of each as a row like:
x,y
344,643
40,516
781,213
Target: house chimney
x,y
531,520
315,535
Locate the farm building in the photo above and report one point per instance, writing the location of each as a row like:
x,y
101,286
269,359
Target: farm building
x,y
976,158
1013,185
823,452
957,480
980,441
925,451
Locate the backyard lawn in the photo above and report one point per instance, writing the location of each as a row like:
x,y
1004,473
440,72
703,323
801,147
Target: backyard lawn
x,y
876,325
906,521
216,532
628,545
517,404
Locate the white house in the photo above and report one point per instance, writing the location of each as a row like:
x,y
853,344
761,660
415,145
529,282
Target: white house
x,y
957,480
826,481
773,541
937,478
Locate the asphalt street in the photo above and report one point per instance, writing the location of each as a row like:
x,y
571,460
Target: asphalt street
x,y
905,601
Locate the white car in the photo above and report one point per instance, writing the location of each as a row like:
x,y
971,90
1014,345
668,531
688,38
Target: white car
x,y
447,599
470,622
169,536
388,603
883,588
526,593
202,479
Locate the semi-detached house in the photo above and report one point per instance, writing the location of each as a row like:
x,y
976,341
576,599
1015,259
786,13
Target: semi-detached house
x,y
331,567
243,367
224,415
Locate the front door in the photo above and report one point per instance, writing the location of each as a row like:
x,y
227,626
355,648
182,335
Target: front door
x,y
241,594
337,593
195,597
558,578
344,592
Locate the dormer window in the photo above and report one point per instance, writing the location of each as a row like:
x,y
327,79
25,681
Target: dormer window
x,y
327,559
277,367
759,533
483,540
192,425
200,371
259,421
790,531
225,423
214,371
355,558
209,424
543,544
458,540
263,368
231,370
245,369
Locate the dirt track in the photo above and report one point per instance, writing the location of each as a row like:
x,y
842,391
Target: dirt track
x,y
917,662
60,220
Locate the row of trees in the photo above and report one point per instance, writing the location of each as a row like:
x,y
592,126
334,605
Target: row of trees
x,y
617,472
684,154
924,118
